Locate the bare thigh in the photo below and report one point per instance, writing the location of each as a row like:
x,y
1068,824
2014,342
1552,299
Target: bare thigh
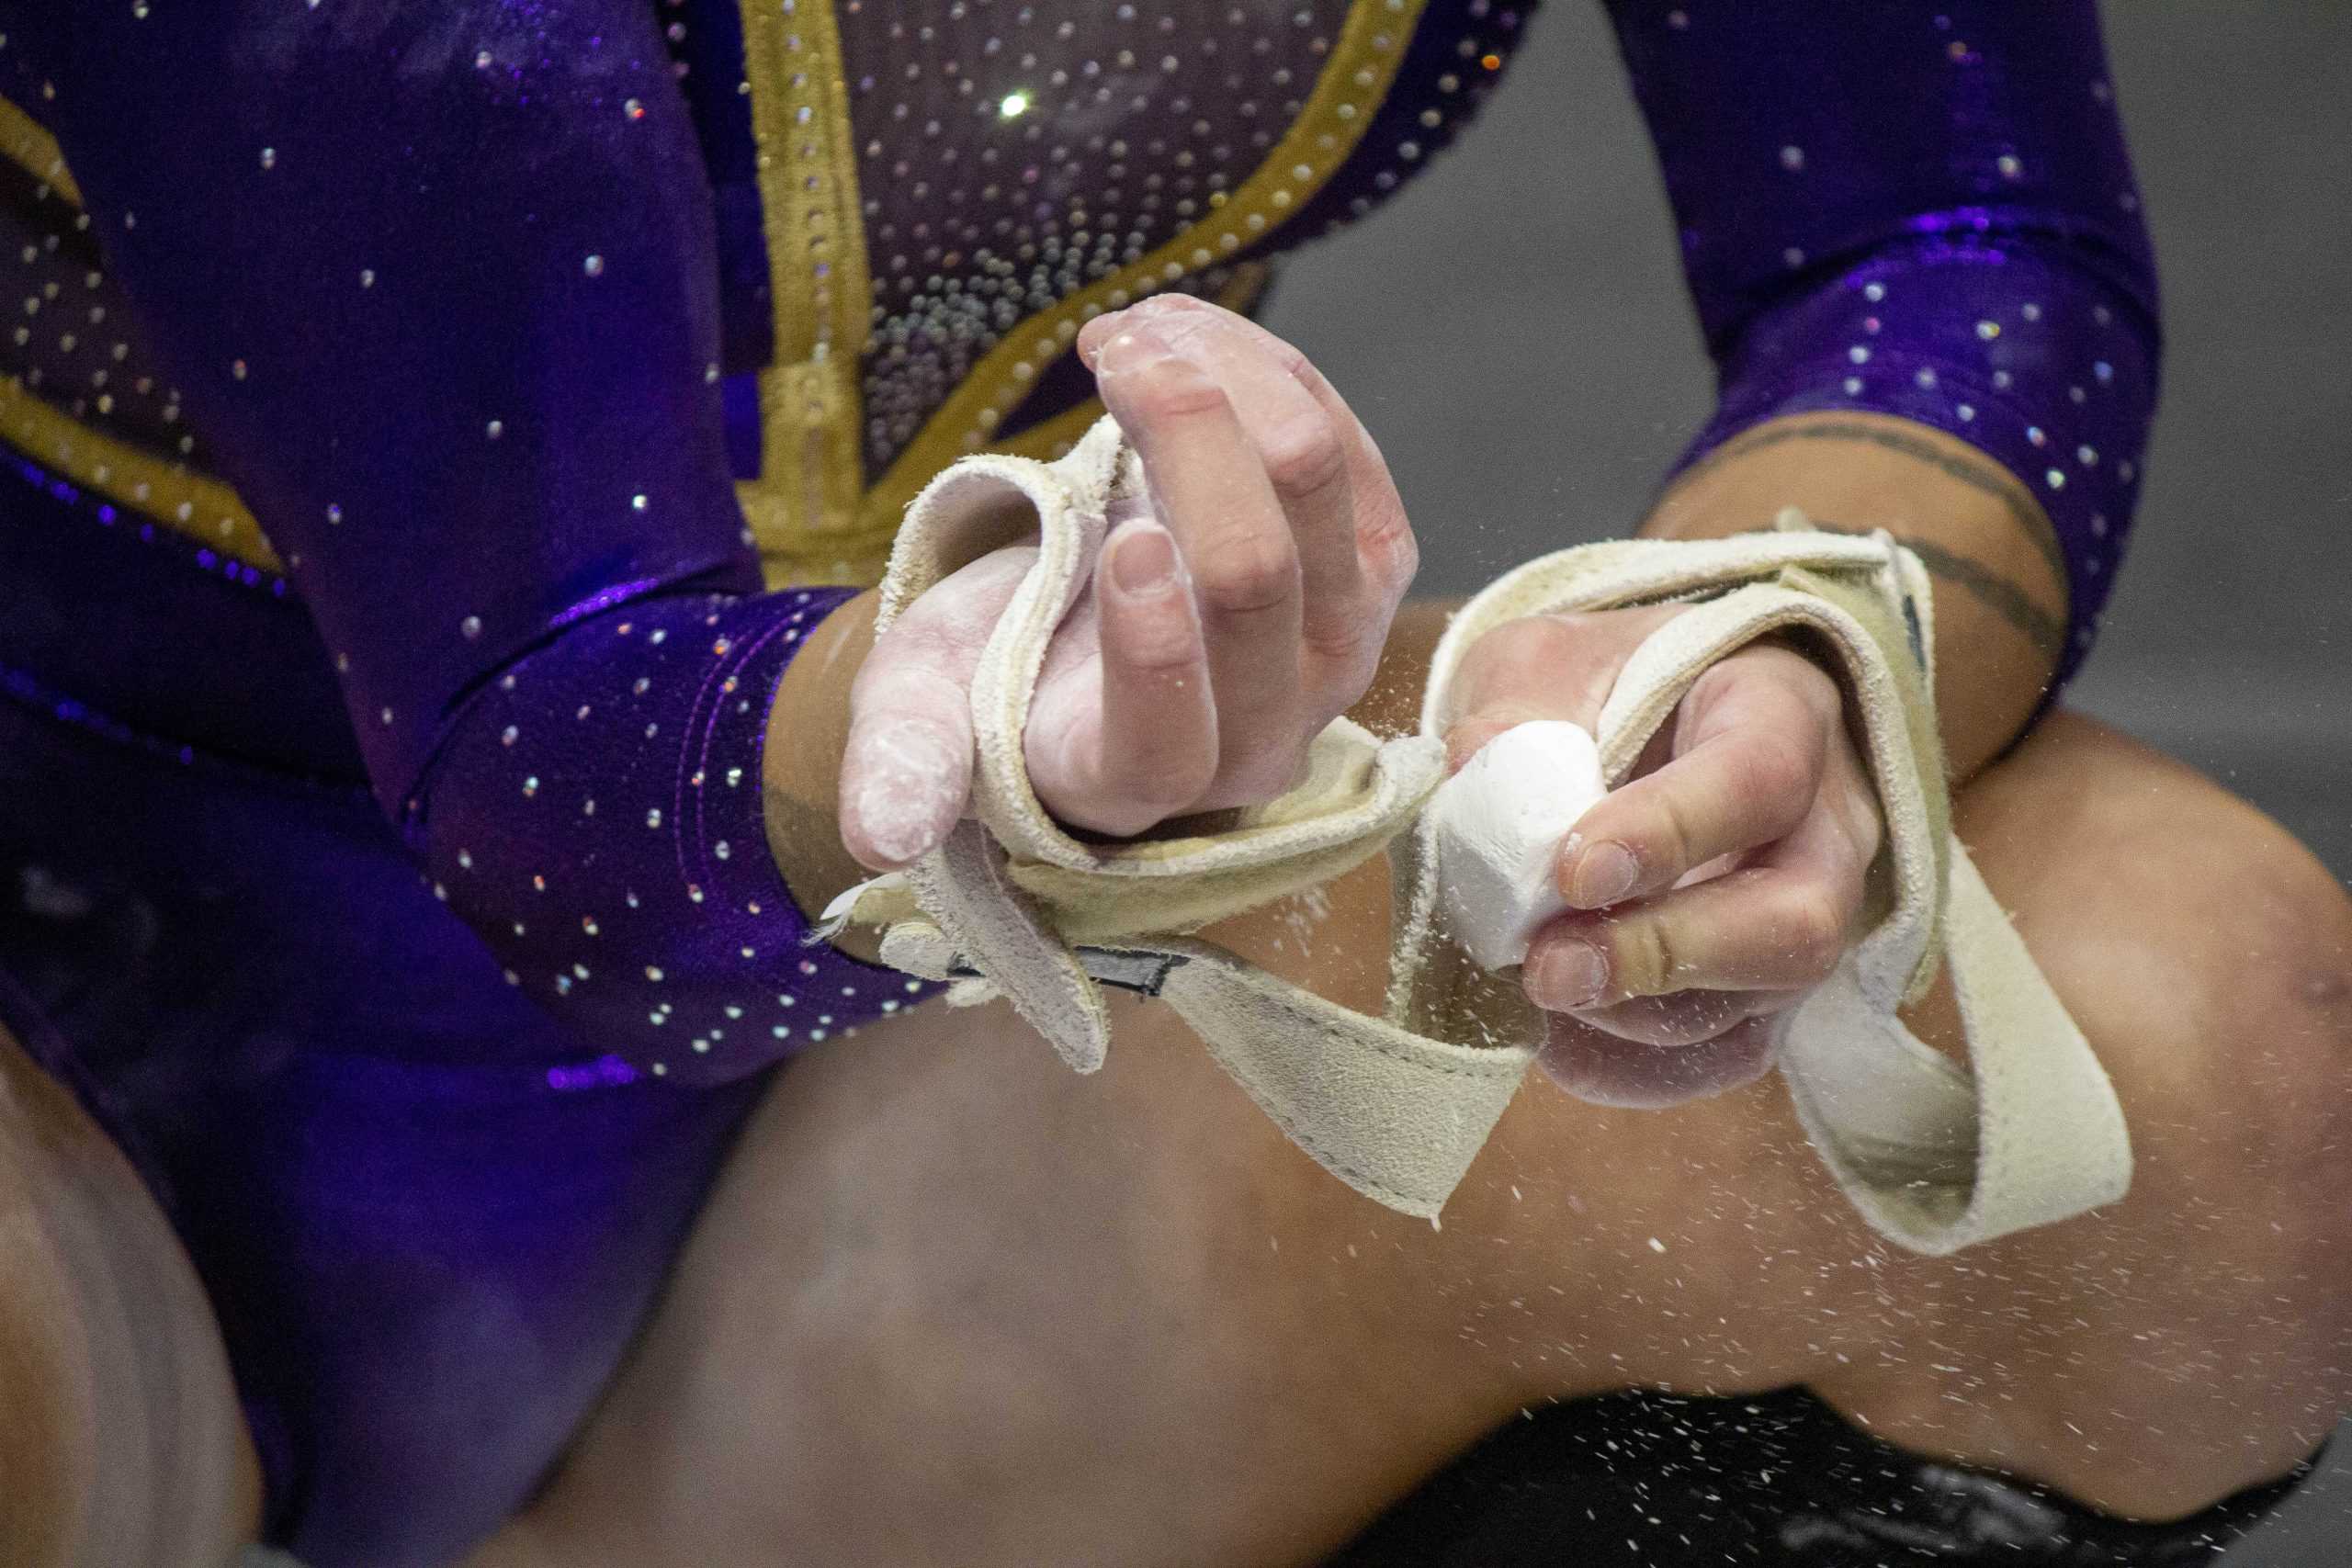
x,y
122,1443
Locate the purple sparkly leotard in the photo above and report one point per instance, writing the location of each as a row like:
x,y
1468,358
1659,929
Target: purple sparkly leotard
x,y
389,657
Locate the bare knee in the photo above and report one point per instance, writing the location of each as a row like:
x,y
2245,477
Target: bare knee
x,y
2208,958
2217,922
48,1443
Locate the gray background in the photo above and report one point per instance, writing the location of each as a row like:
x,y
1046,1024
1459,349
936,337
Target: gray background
x,y
1513,328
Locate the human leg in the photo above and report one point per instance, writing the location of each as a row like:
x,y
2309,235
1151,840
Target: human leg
x,y
121,1441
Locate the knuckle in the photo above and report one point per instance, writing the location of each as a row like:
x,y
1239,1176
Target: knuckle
x,y
1804,676
1294,363
1690,1017
1402,548
1785,675
1193,314
1305,457
967,604
1771,766
1247,574
1669,838
1552,636
1544,663
1641,958
1509,653
1121,820
1860,820
1284,353
1354,670
1385,544
1393,564
1463,739
1469,734
1108,810
1182,780
919,669
1812,928
1124,813
1717,681
1345,642
1175,388
1157,658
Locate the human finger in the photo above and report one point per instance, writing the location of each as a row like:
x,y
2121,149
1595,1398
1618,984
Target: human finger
x,y
1387,552
1212,492
906,764
1305,461
1147,750
1749,748
1767,927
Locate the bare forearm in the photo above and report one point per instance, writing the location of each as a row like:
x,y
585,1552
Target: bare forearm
x,y
800,763
2000,584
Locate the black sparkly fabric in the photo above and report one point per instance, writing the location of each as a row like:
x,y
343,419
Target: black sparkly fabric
x,y
1010,155
1642,1480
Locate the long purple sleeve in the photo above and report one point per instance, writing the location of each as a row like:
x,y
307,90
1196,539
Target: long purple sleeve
x,y
440,289
1920,211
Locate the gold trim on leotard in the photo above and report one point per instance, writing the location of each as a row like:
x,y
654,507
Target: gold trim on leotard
x,y
803,507
25,143
205,509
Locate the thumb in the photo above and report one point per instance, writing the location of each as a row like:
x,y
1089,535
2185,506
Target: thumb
x,y
906,770
907,765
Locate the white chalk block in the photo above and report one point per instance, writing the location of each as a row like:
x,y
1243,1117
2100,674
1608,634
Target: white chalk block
x,y
1498,824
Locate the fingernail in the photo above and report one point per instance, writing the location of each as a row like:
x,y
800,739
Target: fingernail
x,y
1096,332
1134,349
1603,873
1143,558
1568,974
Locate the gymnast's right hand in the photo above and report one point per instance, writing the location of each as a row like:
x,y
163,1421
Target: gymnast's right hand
x,y
1232,615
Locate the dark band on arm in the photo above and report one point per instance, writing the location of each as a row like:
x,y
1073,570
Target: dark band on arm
x,y
1996,593
1978,474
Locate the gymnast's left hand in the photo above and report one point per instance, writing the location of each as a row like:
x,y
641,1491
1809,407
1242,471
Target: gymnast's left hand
x,y
1235,611
1712,890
